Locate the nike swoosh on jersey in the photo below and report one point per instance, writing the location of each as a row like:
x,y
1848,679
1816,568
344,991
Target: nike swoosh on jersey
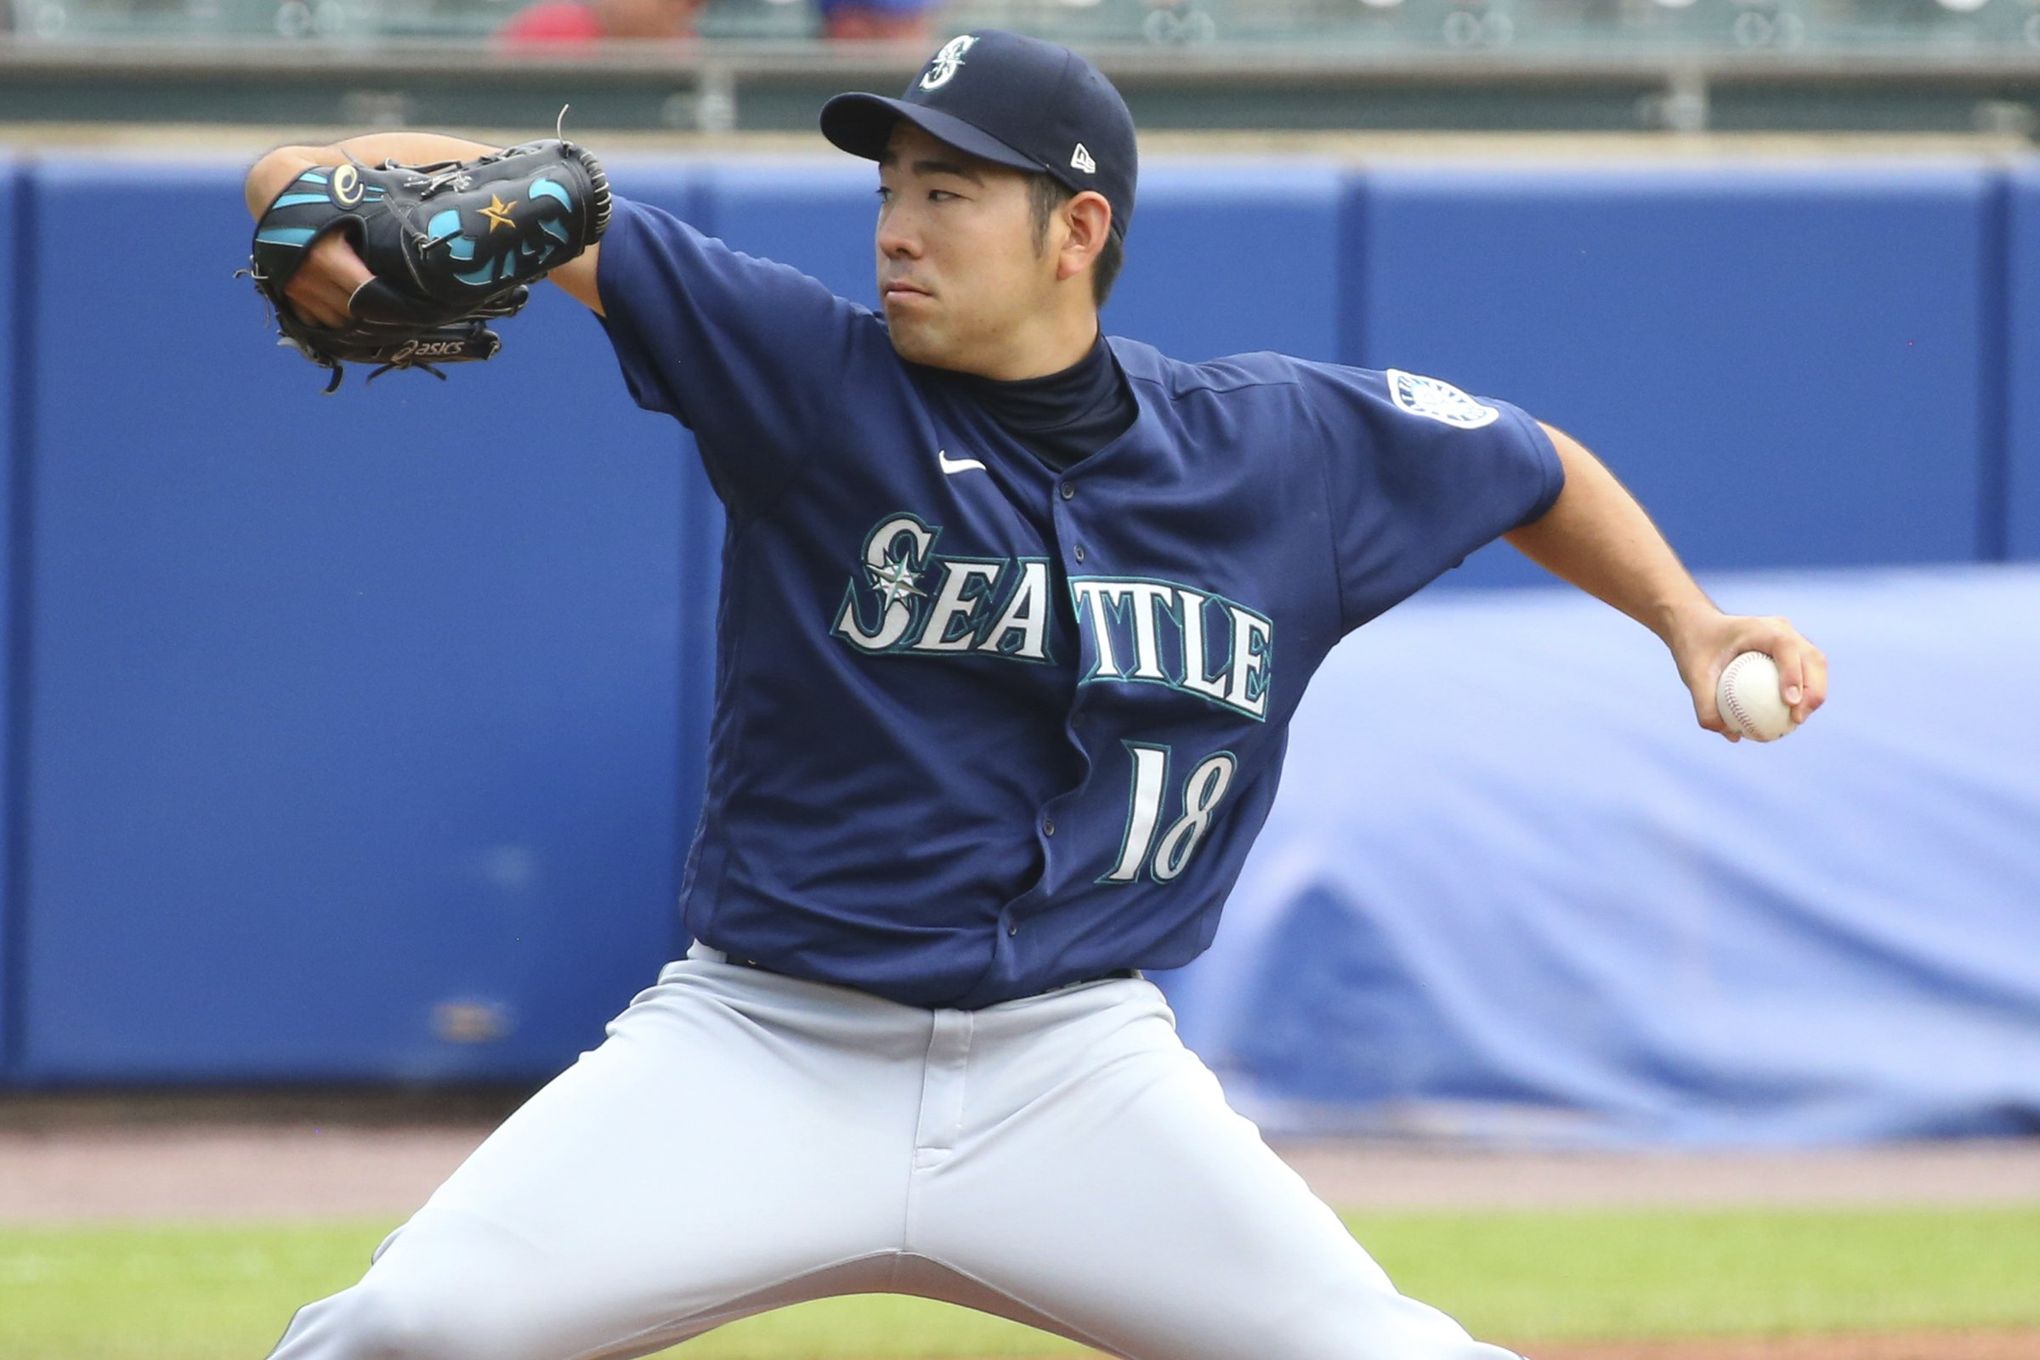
x,y
952,466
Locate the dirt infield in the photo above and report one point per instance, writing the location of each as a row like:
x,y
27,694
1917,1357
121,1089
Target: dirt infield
x,y
67,1171
1927,1346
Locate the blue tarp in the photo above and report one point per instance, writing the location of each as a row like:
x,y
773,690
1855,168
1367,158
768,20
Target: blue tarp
x,y
1510,890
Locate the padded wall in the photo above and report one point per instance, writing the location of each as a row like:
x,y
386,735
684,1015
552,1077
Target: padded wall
x,y
1231,257
354,747
13,412
1786,364
363,732
1558,910
1221,259
2022,366
817,216
662,182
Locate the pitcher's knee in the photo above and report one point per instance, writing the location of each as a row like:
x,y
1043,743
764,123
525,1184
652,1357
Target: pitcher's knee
x,y
388,1324
1368,1323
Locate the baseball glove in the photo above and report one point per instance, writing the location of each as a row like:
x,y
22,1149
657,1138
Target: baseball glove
x,y
452,246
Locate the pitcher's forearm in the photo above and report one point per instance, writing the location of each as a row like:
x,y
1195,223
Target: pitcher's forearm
x,y
1597,537
412,148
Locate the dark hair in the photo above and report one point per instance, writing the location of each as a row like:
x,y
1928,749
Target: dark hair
x,y
1046,193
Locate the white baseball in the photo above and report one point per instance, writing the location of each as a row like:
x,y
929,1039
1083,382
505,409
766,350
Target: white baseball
x,y
1749,698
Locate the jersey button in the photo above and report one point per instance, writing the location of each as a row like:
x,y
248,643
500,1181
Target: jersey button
x,y
1048,826
1080,552
1012,930
1069,490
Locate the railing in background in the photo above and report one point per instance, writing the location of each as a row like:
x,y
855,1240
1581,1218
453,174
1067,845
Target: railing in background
x,y
1505,65
1640,26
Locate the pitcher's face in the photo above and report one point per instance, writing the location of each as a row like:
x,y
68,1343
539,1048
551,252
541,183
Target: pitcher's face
x,y
960,263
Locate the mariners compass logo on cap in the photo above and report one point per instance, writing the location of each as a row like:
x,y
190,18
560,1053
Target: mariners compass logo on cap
x,y
1032,105
943,66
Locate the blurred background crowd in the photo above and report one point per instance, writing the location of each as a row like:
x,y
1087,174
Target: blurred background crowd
x,y
1901,25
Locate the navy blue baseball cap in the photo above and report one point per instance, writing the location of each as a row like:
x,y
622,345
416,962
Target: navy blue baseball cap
x,y
1012,100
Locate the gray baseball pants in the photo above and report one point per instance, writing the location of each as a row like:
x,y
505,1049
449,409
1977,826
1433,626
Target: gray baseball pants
x,y
743,1141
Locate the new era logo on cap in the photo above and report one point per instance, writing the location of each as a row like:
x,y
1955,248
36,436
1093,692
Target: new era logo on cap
x,y
1081,159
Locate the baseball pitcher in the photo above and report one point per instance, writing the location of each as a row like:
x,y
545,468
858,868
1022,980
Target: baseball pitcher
x,y
1014,619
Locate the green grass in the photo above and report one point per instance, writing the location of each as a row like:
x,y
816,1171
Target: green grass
x,y
1744,1272
218,1292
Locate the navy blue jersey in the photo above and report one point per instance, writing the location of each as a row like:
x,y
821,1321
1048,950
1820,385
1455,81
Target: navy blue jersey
x,y
982,728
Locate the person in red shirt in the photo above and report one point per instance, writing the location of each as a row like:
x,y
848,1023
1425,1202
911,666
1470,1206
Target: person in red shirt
x,y
567,23
904,21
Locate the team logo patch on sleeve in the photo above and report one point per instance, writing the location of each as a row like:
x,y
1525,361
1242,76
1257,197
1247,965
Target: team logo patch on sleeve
x,y
1422,396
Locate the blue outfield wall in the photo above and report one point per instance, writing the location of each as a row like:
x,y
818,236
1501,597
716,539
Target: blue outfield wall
x,y
14,411
354,749
2021,472
814,215
1789,367
362,734
1231,257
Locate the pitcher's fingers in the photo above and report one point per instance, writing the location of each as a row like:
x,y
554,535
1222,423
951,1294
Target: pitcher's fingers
x,y
322,297
1705,709
311,296
334,256
1790,654
1815,684
324,285
318,309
